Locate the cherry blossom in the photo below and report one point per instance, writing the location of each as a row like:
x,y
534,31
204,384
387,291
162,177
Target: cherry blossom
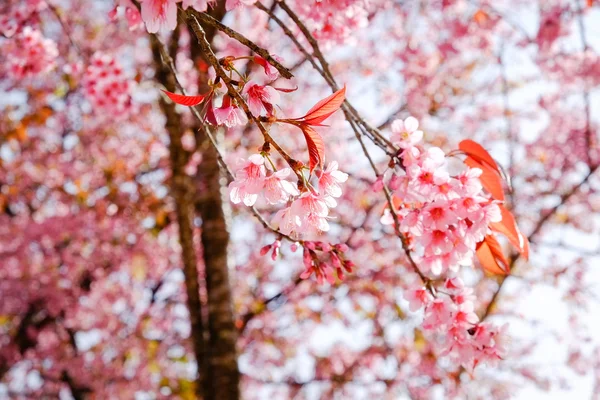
x,y
330,179
31,54
159,14
260,98
229,115
406,133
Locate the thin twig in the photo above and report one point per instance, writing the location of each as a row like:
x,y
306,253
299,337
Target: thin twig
x,y
207,19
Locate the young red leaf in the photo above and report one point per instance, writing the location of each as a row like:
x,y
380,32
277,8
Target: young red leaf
x,y
316,146
490,178
508,227
491,257
324,108
477,152
189,101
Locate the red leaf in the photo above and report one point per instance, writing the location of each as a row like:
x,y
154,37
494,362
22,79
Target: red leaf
x,y
189,101
508,227
324,108
490,178
286,90
491,257
477,152
316,146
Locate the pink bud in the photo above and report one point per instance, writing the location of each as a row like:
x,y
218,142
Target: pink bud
x,y
275,253
326,247
306,258
294,247
349,266
265,250
342,247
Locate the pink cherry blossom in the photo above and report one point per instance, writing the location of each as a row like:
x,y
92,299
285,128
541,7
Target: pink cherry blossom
x,y
249,181
330,179
286,221
312,210
229,114
260,98
159,14
277,189
417,298
406,133
438,215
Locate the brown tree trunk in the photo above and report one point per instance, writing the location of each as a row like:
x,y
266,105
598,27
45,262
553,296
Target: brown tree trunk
x,y
182,192
222,353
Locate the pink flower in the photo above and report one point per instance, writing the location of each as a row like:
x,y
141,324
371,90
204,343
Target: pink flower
x,y
465,315
429,171
229,115
468,182
438,313
436,242
277,189
405,133
312,211
417,298
159,14
412,223
287,222
249,181
260,98
330,179
438,215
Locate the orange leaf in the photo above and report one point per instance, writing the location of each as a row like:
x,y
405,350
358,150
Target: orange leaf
x,y
316,146
324,108
189,101
491,257
508,227
477,152
590,3
490,178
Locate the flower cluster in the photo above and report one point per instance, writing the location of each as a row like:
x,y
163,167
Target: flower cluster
x,y
15,13
334,21
444,216
253,178
309,212
31,54
306,213
465,339
107,87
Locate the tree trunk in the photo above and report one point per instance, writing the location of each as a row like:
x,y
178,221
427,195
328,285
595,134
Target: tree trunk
x,y
182,192
222,353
